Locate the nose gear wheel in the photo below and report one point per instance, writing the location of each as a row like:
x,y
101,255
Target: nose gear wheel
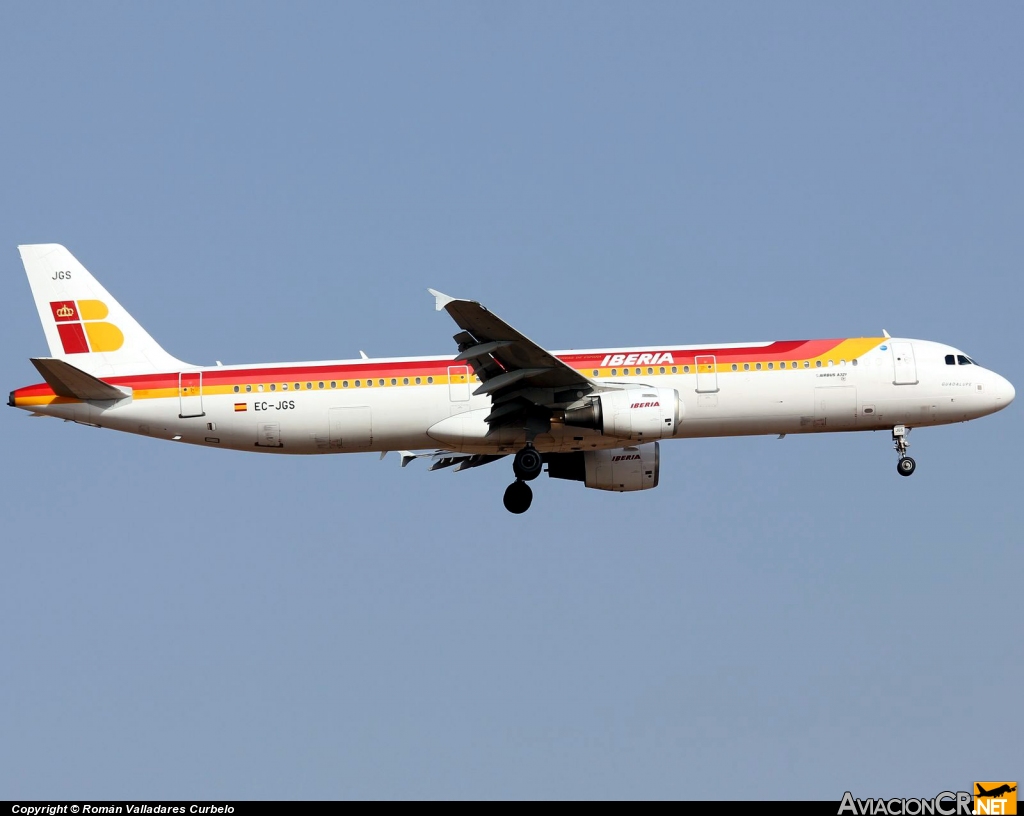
x,y
905,466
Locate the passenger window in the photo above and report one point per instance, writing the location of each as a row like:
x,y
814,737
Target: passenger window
x,y
394,381
248,388
817,363
298,386
334,383
309,386
380,383
661,370
782,364
236,389
734,366
405,380
807,363
358,383
273,386
758,366
320,385
284,386
615,372
674,371
650,371
771,365
746,366
686,369
369,383
950,359
417,381
854,362
595,372
962,360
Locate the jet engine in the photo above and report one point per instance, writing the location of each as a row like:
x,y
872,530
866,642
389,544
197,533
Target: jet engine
x,y
621,470
635,413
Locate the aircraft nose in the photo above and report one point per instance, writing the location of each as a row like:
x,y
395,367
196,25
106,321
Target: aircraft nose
x,y
1004,391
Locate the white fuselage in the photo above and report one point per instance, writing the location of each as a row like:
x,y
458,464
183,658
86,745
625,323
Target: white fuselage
x,y
294,409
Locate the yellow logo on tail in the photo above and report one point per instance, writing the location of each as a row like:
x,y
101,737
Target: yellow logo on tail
x,y
84,330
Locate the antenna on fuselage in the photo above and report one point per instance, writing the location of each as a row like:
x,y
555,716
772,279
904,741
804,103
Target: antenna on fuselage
x,y
885,333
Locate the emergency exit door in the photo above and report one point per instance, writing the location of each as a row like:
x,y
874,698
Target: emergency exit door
x,y
190,394
458,383
707,373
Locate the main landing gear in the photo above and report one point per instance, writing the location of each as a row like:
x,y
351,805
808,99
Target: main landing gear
x,y
528,463
527,466
905,466
518,497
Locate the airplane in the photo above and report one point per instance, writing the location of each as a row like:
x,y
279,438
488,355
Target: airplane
x,y
996,792
596,416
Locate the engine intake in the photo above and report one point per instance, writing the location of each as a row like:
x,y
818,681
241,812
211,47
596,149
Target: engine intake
x,y
635,413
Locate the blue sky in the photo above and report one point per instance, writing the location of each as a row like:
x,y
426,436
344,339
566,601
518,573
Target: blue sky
x,y
272,182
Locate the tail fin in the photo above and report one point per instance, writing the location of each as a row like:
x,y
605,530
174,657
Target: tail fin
x,y
83,323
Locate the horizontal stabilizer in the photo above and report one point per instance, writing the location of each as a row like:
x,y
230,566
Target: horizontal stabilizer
x,y
68,381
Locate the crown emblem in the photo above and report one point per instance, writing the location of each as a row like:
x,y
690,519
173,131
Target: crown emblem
x,y
65,311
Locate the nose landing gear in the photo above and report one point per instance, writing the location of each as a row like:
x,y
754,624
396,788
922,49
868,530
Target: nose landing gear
x,y
905,466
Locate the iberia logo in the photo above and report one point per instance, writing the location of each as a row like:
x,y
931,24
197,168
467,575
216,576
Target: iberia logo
x,y
81,327
995,798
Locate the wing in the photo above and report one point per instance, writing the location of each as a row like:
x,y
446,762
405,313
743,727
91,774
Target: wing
x,y
526,383
445,459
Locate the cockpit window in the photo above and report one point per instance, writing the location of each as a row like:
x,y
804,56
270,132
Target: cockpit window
x,y
950,359
964,360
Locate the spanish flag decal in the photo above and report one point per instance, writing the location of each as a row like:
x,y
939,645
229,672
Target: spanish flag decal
x,y
241,406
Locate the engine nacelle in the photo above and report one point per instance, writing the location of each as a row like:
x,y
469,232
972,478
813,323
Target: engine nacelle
x,y
621,470
635,413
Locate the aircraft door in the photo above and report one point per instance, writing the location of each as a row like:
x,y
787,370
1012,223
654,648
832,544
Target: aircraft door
x,y
904,364
707,374
190,394
458,383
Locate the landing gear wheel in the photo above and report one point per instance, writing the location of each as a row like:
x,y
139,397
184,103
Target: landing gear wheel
x,y
528,464
906,466
518,497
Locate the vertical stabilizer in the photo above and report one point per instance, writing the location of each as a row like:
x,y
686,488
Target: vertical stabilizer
x,y
84,325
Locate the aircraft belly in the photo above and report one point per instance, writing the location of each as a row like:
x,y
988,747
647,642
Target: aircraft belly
x,y
467,432
258,423
746,405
